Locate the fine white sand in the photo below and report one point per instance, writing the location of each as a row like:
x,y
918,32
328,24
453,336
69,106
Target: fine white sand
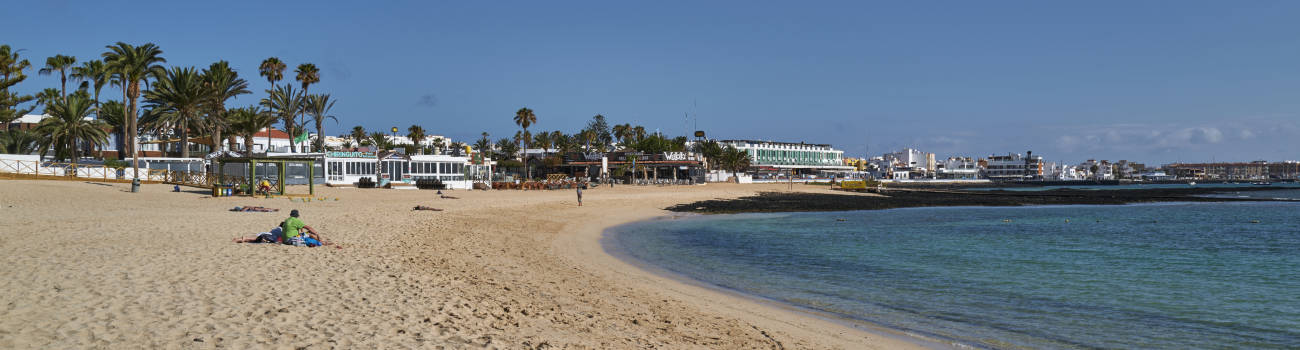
x,y
90,265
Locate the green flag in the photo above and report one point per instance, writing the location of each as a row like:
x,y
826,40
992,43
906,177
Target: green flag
x,y
302,137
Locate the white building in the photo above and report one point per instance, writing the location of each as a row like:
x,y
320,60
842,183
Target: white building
x,y
346,168
781,156
279,142
1014,167
957,168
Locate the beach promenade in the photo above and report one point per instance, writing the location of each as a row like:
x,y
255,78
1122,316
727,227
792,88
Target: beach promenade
x,y
90,265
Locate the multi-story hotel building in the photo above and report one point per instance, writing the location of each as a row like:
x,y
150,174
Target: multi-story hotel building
x,y
804,158
1014,167
1236,171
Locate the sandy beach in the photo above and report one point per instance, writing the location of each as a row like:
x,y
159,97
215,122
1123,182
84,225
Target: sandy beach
x,y
89,265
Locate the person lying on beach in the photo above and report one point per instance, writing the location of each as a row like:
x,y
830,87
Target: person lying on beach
x,y
255,209
292,232
448,197
264,237
421,207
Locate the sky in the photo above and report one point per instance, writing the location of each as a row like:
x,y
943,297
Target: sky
x,y
1153,82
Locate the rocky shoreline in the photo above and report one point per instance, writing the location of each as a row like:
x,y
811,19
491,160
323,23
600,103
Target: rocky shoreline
x,y
804,201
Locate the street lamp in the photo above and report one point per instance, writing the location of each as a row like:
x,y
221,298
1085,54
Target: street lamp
x,y
394,132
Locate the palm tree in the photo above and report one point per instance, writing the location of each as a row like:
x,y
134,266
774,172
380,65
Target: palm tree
x,y
18,141
507,147
524,117
379,140
638,132
416,134
246,122
318,107
180,94
307,74
586,137
273,70
61,64
69,125
48,97
621,132
220,83
543,140
286,104
93,74
132,65
112,114
457,148
484,146
711,151
735,160
358,134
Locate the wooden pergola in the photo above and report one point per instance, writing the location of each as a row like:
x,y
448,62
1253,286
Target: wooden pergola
x,y
279,174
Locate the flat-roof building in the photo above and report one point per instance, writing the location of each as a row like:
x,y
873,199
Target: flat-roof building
x,y
779,156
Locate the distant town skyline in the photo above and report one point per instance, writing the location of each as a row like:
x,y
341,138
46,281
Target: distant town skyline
x,y
1145,82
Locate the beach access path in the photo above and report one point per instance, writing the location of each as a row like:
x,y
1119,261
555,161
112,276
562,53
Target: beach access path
x,y
92,265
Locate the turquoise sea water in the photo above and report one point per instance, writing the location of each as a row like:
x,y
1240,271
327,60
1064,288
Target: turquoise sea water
x,y
1151,276
1278,185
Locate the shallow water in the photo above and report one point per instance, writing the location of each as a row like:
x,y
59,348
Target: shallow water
x,y
1152,276
1278,185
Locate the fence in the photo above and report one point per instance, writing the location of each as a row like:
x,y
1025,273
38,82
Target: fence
x,y
33,169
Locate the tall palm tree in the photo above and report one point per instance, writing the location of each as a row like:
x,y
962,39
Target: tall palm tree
x,y
638,132
524,117
484,146
318,107
286,103
273,70
69,125
93,74
358,134
61,64
246,122
48,97
416,134
113,114
307,74
132,65
220,84
621,132
180,93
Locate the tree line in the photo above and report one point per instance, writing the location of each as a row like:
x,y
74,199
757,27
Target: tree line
x,y
179,103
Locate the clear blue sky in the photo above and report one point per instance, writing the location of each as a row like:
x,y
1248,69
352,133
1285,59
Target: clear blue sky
x,y
1146,81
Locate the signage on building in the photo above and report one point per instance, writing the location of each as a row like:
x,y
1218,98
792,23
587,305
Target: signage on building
x,y
350,154
676,156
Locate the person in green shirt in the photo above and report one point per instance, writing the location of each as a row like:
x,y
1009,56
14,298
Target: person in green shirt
x,y
292,227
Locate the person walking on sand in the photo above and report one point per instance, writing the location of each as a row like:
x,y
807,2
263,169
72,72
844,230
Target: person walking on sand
x,y
579,187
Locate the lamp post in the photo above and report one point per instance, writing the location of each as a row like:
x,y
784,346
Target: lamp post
x,y
394,132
